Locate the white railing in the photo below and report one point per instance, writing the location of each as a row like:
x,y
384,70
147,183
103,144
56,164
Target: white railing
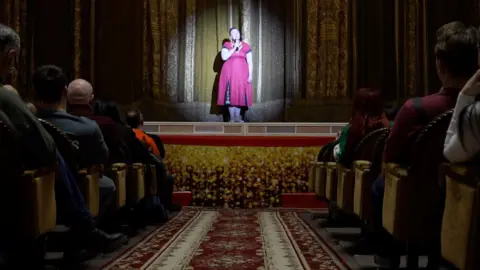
x,y
243,129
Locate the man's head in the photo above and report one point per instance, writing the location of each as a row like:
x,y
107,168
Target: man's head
x,y
49,84
134,118
80,92
456,51
9,50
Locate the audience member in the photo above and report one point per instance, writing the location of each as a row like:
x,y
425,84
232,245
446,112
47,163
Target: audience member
x,y
135,121
137,150
49,84
462,142
456,61
80,97
367,115
38,150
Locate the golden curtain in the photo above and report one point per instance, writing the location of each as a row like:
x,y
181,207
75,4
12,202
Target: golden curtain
x,y
328,44
394,41
309,56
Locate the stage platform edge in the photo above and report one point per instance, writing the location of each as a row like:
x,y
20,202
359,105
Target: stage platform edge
x,y
244,129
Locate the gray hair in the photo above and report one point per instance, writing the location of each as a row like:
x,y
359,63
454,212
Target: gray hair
x,y
9,39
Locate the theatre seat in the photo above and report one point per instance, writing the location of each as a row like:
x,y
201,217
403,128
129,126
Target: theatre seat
x,y
151,181
345,186
135,182
365,152
363,186
118,173
319,171
331,177
394,207
320,180
88,182
460,238
40,214
311,176
412,203
366,170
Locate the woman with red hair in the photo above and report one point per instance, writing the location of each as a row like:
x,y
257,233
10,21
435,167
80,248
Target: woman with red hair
x,y
367,115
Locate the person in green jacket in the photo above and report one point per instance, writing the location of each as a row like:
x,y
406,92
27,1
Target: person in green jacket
x,y
367,115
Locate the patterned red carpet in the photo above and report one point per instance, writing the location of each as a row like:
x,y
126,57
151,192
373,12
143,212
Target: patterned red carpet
x,y
231,239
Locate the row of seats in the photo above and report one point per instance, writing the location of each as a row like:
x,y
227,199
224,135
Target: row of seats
x,y
35,189
429,206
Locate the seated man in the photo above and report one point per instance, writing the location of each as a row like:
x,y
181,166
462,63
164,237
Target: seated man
x,y
80,96
39,151
456,61
135,121
159,144
49,84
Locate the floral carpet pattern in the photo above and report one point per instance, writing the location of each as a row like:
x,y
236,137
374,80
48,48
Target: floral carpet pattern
x,y
237,176
235,239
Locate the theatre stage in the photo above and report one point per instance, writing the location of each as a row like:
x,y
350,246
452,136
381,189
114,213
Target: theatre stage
x,y
245,165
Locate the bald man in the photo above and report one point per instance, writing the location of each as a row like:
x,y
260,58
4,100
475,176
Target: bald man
x,y
80,97
80,92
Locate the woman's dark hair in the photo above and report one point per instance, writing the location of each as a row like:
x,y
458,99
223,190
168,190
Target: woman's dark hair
x,y
107,108
470,116
367,114
390,112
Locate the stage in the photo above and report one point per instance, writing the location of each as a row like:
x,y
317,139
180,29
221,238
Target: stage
x,y
244,165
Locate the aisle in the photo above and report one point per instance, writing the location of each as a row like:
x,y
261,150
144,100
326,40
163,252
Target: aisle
x,y
231,239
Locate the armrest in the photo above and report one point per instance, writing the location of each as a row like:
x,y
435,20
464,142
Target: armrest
x,y
462,173
119,166
362,164
395,169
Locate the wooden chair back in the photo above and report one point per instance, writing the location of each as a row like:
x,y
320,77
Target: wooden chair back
x,y
426,198
27,197
412,204
460,237
365,149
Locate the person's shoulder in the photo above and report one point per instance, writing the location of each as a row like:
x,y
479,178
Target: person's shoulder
x,y
85,125
9,96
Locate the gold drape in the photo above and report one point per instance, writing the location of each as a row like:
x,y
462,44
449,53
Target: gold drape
x,y
161,54
213,20
327,45
394,40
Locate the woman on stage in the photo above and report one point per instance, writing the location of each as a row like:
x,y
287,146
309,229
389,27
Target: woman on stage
x,y
235,86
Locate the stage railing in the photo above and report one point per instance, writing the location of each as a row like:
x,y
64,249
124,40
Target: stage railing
x,y
244,129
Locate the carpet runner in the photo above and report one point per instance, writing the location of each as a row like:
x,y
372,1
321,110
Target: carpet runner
x,y
231,239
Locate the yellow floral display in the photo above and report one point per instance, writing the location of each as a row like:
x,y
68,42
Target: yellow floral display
x,y
239,176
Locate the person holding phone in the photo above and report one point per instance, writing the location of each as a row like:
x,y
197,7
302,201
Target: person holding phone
x,y
462,142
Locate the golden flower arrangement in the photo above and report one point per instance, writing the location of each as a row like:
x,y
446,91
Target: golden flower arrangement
x,y
246,177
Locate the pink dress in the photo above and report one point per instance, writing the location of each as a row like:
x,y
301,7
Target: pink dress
x,y
233,87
